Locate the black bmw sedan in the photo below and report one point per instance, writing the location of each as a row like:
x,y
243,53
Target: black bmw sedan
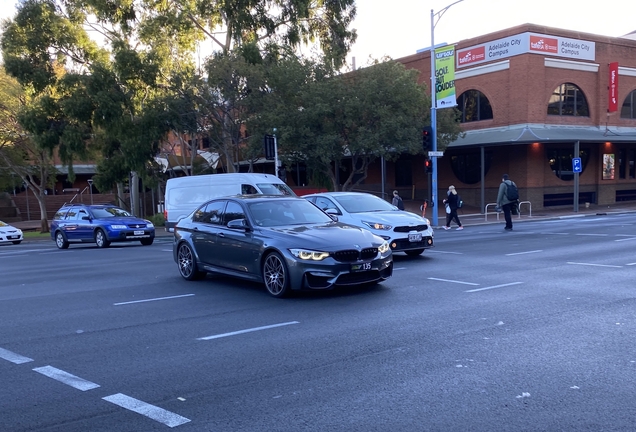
x,y
285,242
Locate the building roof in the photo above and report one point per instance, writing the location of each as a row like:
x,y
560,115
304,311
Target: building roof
x,y
530,133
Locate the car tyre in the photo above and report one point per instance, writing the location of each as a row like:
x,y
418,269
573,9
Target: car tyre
x,y
187,263
414,252
100,239
275,275
147,242
60,240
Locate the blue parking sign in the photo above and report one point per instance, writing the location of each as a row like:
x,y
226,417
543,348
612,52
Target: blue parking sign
x,y
576,164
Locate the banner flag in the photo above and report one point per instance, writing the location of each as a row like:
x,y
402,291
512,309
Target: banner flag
x,y
445,77
613,87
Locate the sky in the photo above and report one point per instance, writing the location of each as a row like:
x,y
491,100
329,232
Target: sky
x,y
398,28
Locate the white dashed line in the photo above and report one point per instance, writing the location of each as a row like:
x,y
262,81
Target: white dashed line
x,y
161,415
13,357
594,265
590,234
66,378
248,330
444,252
523,253
453,281
624,239
493,287
153,299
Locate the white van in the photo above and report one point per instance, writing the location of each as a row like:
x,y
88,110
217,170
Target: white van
x,y
186,194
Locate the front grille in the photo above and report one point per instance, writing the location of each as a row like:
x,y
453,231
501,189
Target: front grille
x,y
352,255
137,225
358,278
405,229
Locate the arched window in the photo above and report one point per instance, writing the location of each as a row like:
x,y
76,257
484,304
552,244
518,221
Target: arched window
x,y
560,160
474,106
629,109
568,99
467,166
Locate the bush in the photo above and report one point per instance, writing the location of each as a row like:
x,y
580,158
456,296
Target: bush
x,y
158,220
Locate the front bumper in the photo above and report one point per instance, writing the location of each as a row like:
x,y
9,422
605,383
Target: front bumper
x,y
131,235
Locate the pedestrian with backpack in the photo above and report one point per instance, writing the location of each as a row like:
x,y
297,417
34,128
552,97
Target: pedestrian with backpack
x,y
452,202
397,200
507,198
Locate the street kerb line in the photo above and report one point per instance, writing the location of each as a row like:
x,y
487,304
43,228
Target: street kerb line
x,y
523,253
493,287
247,331
13,357
453,281
66,378
595,265
153,299
161,415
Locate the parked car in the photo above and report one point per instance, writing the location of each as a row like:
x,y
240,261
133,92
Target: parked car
x,y
10,233
285,242
405,231
101,224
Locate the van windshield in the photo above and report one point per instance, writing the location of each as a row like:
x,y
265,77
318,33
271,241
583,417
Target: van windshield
x,y
275,189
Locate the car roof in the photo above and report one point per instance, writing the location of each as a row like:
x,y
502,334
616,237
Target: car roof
x,y
341,193
257,197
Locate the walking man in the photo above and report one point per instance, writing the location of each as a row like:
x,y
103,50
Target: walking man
x,y
504,202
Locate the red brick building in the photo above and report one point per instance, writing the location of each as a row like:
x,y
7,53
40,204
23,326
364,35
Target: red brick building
x,y
532,98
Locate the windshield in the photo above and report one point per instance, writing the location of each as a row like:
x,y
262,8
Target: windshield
x,y
359,203
275,189
287,212
107,212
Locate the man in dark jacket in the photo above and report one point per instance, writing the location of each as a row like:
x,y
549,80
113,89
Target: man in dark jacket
x,y
504,203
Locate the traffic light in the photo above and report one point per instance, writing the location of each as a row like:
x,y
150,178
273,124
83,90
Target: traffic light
x,y
428,165
268,147
427,138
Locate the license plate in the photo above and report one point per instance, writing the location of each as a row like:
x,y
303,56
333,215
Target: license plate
x,y
139,233
361,267
13,237
415,237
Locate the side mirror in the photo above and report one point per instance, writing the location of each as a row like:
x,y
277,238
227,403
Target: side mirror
x,y
331,211
240,224
333,216
86,218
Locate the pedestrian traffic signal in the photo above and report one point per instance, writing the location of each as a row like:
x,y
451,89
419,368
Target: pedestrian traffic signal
x,y
268,147
428,165
427,138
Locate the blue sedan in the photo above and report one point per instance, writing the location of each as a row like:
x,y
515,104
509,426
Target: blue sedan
x,y
100,224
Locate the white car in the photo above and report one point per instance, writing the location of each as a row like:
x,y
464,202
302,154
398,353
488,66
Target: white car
x,y
9,233
405,231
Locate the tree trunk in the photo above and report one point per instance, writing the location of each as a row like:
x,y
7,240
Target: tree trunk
x,y
120,195
134,194
44,220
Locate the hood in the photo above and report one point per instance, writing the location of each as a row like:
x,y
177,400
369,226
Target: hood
x,y
123,220
8,229
328,237
389,217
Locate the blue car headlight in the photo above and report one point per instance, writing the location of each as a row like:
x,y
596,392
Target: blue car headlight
x,y
384,247
305,254
377,225
149,224
117,227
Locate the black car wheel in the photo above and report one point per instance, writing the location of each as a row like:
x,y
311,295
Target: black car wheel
x,y
147,242
275,275
414,252
60,240
187,263
100,239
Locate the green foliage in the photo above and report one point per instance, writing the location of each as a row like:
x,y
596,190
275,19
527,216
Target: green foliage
x,y
158,220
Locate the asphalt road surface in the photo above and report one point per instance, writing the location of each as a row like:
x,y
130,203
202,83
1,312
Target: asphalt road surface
x,y
529,330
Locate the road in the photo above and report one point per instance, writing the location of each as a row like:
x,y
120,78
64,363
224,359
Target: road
x,y
529,330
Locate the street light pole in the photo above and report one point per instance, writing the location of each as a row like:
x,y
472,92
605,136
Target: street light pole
x,y
275,155
434,108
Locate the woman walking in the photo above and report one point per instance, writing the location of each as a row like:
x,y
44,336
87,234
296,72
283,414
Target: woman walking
x,y
451,202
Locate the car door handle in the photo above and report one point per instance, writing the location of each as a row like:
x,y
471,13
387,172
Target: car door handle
x,y
221,235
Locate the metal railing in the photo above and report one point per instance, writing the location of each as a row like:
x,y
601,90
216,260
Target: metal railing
x,y
498,213
79,193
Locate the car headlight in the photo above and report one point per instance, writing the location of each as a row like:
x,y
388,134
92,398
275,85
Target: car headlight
x,y
305,254
384,247
428,222
118,226
377,225
149,224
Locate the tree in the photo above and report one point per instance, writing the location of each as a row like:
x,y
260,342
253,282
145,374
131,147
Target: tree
x,y
331,120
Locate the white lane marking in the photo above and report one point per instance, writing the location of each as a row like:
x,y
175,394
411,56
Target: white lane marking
x,y
493,287
18,252
66,378
13,357
523,253
624,235
594,265
399,268
152,299
247,330
631,264
444,252
553,233
161,415
590,234
453,281
624,239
